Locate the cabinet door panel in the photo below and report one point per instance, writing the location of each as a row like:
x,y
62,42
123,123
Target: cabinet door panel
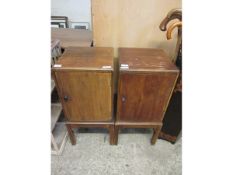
x,y
144,97
87,96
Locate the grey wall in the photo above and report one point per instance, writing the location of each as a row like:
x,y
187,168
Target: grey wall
x,y
75,10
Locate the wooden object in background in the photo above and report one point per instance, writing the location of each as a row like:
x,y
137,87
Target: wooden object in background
x,y
72,37
171,28
172,119
131,23
58,130
173,116
146,81
172,14
83,77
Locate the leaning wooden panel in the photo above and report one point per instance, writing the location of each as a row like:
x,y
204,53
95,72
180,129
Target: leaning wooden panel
x,y
131,23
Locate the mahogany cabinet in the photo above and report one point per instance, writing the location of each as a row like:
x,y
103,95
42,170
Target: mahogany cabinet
x,y
83,77
146,81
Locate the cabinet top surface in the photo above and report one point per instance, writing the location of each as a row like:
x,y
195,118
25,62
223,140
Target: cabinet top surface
x,y
86,58
145,59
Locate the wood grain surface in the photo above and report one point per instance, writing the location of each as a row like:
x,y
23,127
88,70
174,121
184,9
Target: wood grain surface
x,y
86,58
172,27
89,95
145,60
72,37
86,94
85,88
131,23
143,94
146,81
143,97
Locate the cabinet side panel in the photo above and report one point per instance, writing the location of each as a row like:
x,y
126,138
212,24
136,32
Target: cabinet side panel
x,y
89,95
143,97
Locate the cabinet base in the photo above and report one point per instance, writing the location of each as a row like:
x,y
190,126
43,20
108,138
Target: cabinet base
x,y
155,125
107,125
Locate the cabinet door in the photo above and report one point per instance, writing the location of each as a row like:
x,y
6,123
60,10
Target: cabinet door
x,y
86,96
144,97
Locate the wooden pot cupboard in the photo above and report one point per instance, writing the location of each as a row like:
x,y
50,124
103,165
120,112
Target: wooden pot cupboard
x,y
146,81
83,77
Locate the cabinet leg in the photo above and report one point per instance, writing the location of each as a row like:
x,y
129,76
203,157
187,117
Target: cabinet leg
x,y
71,134
116,131
112,135
155,134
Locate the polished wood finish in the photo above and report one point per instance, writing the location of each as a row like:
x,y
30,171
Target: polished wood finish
x,y
171,28
172,14
145,60
155,135
85,87
72,37
85,58
145,87
87,95
143,97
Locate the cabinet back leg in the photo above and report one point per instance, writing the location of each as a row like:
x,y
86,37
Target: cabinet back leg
x,y
71,134
155,135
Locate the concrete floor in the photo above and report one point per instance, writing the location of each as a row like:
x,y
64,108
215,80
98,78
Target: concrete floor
x,y
92,155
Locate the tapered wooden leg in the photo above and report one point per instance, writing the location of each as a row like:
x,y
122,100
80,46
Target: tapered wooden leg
x,y
155,134
112,134
71,134
116,131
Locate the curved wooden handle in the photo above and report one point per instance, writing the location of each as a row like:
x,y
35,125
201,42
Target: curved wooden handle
x,y
171,28
172,14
